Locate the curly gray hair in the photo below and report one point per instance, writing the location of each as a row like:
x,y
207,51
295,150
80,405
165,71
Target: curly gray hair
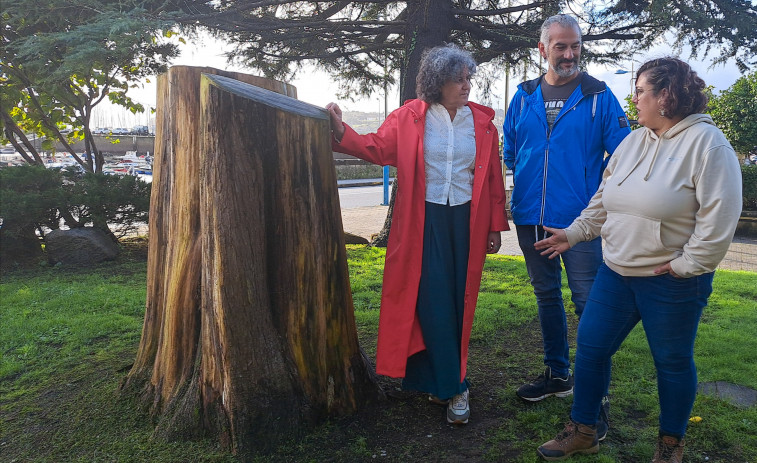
x,y
563,20
440,65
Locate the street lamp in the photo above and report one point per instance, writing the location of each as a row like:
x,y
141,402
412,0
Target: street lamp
x,y
623,71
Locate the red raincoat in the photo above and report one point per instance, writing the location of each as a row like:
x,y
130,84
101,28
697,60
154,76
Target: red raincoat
x,y
399,142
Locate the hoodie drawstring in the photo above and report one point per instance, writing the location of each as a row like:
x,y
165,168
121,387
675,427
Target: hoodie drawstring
x,y
641,159
654,158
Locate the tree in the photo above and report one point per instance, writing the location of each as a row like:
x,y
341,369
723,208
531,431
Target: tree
x,y
735,111
364,43
61,58
631,111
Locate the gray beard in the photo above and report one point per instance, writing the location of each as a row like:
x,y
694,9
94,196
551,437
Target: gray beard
x,y
562,72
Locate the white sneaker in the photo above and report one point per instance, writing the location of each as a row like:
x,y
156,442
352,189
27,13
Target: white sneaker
x,y
458,410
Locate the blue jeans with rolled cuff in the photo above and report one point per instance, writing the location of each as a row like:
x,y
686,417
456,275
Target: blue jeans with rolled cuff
x,y
669,308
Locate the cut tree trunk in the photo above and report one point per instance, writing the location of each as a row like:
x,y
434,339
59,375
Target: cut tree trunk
x,y
249,333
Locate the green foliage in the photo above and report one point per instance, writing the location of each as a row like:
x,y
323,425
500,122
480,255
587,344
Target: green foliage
x,y
735,112
631,111
749,186
365,44
35,198
29,197
60,58
363,171
120,201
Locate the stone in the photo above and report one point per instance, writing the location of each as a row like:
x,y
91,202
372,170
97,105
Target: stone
x,y
350,238
740,396
80,246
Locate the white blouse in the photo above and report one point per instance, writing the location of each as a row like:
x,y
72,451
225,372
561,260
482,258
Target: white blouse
x,y
449,152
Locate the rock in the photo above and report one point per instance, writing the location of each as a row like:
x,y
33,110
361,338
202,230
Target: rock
x,y
80,246
740,396
349,238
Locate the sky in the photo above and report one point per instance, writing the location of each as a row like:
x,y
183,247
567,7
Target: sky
x,y
315,87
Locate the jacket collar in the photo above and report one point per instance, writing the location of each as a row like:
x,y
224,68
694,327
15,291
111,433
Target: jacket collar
x,y
482,115
589,85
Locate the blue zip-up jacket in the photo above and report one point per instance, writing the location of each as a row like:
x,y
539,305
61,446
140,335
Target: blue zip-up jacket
x,y
555,173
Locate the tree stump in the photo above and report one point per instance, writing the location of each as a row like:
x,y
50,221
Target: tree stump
x,y
249,332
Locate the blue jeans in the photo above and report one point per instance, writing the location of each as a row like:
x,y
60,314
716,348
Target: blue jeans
x,y
581,264
669,309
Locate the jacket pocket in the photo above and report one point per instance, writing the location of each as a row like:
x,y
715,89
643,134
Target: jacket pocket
x,y
633,241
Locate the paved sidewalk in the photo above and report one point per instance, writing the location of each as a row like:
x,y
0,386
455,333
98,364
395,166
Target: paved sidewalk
x,y
366,221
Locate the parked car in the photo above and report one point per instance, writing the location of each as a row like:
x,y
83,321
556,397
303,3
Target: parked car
x,y
140,130
120,131
101,131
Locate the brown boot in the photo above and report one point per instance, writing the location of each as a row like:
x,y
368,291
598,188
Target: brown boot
x,y
575,438
669,450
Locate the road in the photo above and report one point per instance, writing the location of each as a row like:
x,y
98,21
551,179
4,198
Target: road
x,y
361,196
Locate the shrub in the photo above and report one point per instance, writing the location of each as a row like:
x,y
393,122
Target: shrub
x,y
749,179
34,200
29,196
362,171
101,200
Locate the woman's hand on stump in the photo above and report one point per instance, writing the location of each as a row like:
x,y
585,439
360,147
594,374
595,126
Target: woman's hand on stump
x,y
337,126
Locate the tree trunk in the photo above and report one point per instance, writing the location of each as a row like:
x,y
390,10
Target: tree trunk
x,y
430,24
381,240
249,331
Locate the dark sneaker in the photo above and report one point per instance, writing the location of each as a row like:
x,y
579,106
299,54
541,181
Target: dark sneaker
x,y
603,425
575,438
546,385
669,450
458,410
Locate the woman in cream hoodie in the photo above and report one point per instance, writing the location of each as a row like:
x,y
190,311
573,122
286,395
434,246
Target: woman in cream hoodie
x,y
666,210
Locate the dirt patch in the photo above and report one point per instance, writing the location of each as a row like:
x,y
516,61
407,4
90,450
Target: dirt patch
x,y
408,428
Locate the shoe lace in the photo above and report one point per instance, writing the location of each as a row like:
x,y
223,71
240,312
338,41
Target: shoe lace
x,y
458,401
567,432
666,451
539,379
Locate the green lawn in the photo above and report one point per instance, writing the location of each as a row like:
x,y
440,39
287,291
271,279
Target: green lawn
x,y
67,338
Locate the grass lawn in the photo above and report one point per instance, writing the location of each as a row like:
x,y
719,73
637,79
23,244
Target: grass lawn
x,y
68,337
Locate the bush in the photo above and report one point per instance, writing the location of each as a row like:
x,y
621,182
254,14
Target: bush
x,y
101,200
362,171
35,200
749,179
29,196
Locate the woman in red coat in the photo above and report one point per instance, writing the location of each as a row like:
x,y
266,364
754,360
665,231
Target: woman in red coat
x,y
448,213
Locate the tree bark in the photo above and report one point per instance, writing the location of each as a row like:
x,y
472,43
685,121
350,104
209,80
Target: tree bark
x,y
430,23
249,331
381,240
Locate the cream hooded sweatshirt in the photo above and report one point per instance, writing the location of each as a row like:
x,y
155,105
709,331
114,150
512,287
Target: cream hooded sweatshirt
x,y
675,198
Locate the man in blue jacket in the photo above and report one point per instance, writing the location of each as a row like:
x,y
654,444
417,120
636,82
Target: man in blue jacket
x,y
558,133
